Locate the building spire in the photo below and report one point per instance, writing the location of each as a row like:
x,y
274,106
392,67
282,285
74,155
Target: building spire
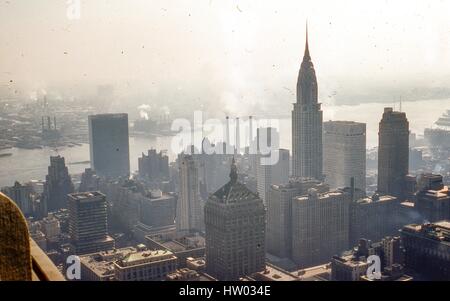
x,y
307,56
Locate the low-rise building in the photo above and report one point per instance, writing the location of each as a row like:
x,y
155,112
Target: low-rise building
x,y
100,266
427,249
183,248
145,266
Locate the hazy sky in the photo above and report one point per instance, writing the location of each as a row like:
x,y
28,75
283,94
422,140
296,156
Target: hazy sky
x,y
244,52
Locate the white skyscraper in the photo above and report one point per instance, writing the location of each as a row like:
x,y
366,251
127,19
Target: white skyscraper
x,y
189,210
276,174
344,154
272,168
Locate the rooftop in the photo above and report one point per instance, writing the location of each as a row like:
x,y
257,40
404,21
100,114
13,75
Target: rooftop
x,y
376,199
439,231
85,196
273,273
143,257
316,273
102,263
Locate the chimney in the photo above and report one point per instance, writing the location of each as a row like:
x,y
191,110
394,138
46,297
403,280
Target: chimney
x,y
227,138
250,137
238,137
49,123
54,122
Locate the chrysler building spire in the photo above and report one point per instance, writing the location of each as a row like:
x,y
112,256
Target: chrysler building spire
x,y
307,81
306,56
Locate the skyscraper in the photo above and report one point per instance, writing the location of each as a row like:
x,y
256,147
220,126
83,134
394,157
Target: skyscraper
x,y
189,210
57,184
307,123
109,144
279,213
275,174
88,225
344,154
235,222
21,195
154,166
393,152
320,224
89,181
272,163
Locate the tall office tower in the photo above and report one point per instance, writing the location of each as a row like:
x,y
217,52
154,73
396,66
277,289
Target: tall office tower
x,y
89,181
320,223
109,144
307,123
154,166
272,163
189,210
235,223
213,168
127,204
279,214
275,174
427,249
21,195
88,225
57,184
433,198
393,152
344,154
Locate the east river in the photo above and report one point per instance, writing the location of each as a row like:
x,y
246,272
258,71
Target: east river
x,y
25,165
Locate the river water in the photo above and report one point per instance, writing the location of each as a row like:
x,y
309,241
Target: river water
x,y
25,165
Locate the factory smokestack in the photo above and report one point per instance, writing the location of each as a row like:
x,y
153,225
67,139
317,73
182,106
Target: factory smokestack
x,y
227,138
250,137
238,137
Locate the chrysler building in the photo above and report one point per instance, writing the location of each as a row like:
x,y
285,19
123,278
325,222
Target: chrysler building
x,y
307,123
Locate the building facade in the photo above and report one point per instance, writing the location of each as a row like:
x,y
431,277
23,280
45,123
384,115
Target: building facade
x,y
235,220
154,166
158,210
57,185
189,209
374,218
272,174
393,152
427,249
109,142
22,196
320,223
88,225
433,198
279,214
344,154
